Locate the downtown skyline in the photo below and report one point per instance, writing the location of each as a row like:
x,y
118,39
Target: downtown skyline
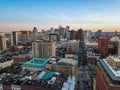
x,y
44,14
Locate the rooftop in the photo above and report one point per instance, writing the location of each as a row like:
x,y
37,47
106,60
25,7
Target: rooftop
x,y
36,62
116,59
67,61
112,72
24,55
44,41
89,43
48,75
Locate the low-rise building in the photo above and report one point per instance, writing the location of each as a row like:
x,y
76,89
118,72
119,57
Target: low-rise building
x,y
35,64
5,63
22,58
108,74
42,80
74,45
65,65
91,45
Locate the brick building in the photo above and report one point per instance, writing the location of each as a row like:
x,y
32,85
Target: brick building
x,y
108,76
103,46
17,36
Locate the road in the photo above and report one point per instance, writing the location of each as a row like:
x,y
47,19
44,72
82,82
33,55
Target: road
x,y
85,81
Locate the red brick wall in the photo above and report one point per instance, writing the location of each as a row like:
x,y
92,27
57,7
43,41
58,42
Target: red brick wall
x,y
101,82
103,46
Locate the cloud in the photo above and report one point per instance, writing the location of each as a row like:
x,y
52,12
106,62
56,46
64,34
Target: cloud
x,y
57,16
32,16
102,18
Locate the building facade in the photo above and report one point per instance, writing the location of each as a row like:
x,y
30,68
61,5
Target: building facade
x,y
34,34
19,36
74,45
65,65
3,42
108,78
103,46
43,48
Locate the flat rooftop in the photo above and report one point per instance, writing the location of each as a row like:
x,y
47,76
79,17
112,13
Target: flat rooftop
x,y
115,71
48,75
67,61
112,72
36,62
24,55
117,59
94,43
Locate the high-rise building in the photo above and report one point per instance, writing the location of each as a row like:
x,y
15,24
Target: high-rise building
x,y
71,34
43,48
80,35
54,37
87,36
108,74
67,28
103,46
62,31
19,36
3,42
34,34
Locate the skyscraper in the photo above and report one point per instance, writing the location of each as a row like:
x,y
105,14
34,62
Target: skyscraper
x,y
3,42
34,34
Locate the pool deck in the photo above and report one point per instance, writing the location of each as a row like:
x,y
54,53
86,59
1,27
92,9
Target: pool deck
x,y
36,62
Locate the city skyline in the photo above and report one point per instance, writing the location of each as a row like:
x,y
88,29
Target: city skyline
x,y
44,14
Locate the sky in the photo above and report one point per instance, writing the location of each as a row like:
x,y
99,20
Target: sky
x,y
44,14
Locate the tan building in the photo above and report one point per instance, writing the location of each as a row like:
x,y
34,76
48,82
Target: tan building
x,y
65,65
34,34
115,61
6,64
43,48
3,42
74,44
91,45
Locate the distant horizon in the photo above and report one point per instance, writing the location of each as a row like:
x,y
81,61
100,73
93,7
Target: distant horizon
x,y
39,30
91,15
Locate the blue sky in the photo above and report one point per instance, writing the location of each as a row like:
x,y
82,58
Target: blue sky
x,y
86,14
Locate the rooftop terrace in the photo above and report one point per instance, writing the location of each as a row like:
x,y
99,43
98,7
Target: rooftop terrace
x,y
36,62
